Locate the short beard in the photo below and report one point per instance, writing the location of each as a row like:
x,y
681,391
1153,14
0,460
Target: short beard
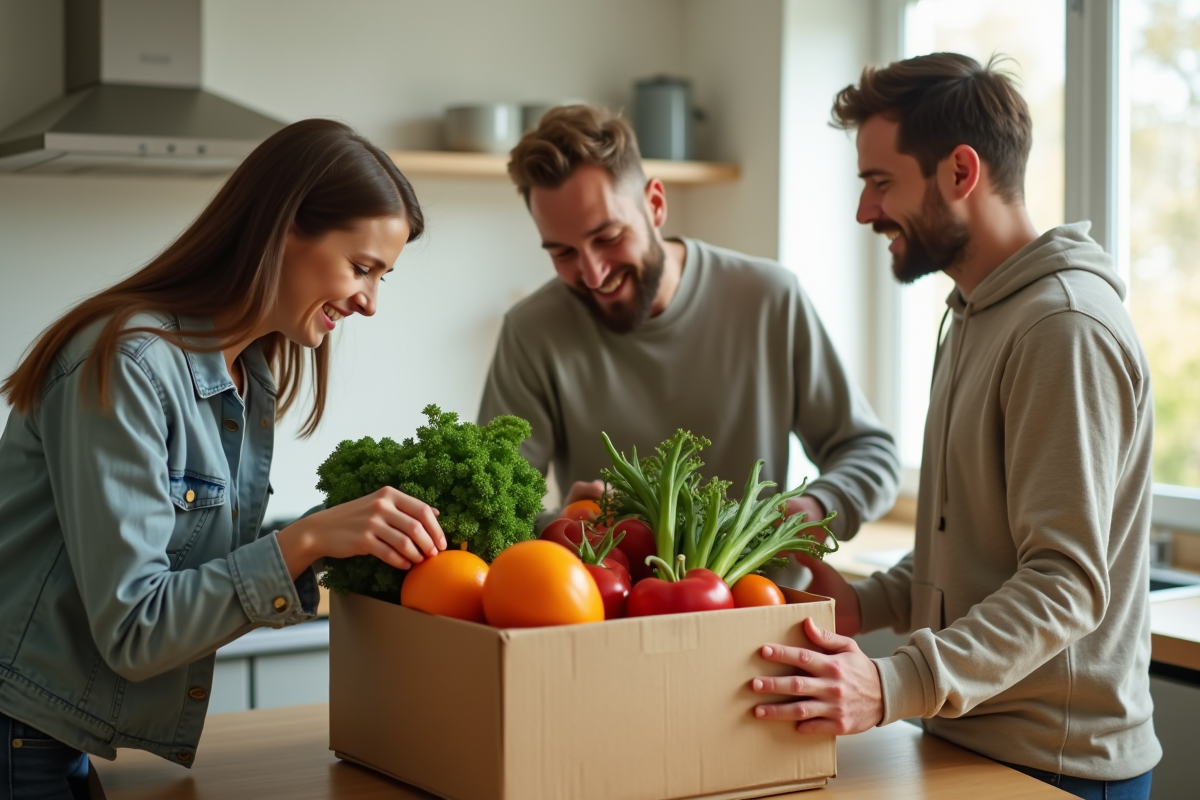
x,y
935,240
645,287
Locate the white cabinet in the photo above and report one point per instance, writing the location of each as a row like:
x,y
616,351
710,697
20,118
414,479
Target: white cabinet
x,y
291,679
268,668
231,686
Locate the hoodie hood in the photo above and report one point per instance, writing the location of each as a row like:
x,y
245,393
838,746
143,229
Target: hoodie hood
x,y
1062,248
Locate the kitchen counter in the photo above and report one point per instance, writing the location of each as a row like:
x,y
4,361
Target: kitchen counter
x,y
1175,627
283,753
1174,613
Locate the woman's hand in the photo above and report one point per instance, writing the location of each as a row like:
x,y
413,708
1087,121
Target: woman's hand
x,y
388,524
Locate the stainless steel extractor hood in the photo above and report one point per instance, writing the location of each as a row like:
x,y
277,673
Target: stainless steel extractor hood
x,y
133,101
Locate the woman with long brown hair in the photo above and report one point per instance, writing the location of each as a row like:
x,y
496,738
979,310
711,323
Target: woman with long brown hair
x,y
134,466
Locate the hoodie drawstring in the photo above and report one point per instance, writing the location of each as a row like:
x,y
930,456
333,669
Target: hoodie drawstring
x,y
943,483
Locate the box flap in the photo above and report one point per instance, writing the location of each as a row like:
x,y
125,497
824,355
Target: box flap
x,y
654,708
443,732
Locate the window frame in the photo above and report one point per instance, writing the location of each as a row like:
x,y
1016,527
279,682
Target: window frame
x,y
1096,162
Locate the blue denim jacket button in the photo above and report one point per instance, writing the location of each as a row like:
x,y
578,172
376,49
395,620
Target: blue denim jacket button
x,y
230,425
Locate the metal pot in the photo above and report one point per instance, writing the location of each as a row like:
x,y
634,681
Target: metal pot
x,y
485,128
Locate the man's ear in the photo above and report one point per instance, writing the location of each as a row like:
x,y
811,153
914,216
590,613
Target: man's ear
x,y
656,202
960,172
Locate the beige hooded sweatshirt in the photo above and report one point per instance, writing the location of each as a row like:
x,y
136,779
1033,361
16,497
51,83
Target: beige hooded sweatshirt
x,y
1027,591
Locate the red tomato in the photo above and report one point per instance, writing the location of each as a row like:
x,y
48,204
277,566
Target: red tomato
x,y
699,590
637,544
567,532
613,582
617,555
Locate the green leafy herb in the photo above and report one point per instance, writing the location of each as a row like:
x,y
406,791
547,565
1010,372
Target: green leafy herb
x,y
698,520
487,494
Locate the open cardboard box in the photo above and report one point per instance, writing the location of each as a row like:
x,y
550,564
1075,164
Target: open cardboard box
x,y
653,708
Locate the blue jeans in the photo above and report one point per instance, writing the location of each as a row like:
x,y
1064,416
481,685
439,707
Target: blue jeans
x,y
34,766
1130,789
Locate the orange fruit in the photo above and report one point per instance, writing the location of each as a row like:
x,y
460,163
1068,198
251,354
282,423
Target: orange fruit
x,y
581,510
539,582
449,584
755,590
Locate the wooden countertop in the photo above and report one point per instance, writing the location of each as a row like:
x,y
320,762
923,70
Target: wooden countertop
x,y
1174,614
284,753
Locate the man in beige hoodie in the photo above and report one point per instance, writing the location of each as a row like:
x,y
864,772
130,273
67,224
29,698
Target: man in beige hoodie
x,y
1026,594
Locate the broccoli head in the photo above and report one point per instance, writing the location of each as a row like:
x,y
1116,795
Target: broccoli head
x,y
487,494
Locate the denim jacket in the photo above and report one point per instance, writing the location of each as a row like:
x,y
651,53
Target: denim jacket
x,y
130,547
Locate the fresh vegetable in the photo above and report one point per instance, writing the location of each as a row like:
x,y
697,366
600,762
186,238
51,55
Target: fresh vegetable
x,y
487,494
569,533
581,510
618,556
613,582
612,579
698,520
537,583
694,590
637,543
756,590
449,584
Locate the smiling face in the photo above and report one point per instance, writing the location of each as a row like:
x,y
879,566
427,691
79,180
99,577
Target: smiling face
x,y
603,243
327,278
900,202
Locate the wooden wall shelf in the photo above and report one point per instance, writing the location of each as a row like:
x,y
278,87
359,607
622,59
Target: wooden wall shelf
x,y
445,164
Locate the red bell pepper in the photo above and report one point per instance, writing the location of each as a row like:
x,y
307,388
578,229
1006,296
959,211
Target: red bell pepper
x,y
678,592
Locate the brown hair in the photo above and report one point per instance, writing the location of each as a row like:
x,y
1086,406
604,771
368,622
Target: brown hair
x,y
316,174
567,137
943,100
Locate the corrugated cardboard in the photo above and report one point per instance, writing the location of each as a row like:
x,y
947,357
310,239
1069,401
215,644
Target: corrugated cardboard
x,y
654,708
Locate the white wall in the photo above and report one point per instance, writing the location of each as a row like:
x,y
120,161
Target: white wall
x,y
388,67
827,45
733,53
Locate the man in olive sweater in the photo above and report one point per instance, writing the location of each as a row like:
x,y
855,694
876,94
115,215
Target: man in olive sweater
x,y
1026,595
640,336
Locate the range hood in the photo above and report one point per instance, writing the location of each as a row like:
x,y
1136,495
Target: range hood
x,y
133,101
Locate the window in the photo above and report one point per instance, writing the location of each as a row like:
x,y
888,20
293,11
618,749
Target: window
x,y
1032,34
1114,89
1163,221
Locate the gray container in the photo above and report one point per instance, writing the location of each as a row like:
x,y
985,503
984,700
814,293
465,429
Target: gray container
x,y
487,128
662,117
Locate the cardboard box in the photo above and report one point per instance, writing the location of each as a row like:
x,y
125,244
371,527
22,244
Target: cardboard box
x,y
654,708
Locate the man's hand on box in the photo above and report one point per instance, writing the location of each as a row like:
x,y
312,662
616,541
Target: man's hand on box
x,y
838,687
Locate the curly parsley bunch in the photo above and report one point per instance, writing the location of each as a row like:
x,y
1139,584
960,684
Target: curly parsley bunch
x,y
488,495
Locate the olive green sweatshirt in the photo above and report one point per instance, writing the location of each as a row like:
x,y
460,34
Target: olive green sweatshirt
x,y
739,356
1027,591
